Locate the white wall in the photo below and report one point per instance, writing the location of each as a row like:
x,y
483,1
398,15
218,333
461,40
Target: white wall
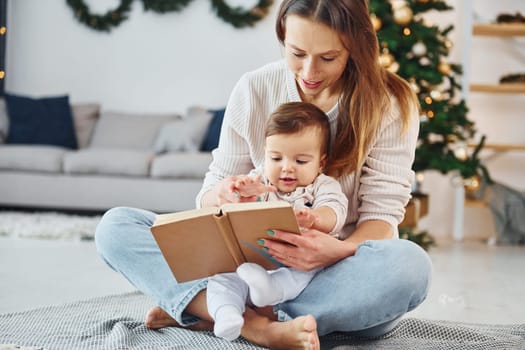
x,y
167,62
151,62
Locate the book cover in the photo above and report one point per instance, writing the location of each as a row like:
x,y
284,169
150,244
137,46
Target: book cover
x,y
202,242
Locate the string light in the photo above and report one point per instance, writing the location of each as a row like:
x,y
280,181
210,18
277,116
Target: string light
x,y
3,30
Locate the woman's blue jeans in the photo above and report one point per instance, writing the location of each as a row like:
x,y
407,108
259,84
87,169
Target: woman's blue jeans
x,y
367,293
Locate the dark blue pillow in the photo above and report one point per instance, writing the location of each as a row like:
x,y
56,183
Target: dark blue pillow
x,y
211,140
43,121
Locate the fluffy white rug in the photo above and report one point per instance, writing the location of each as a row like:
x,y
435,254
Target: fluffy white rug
x,y
47,225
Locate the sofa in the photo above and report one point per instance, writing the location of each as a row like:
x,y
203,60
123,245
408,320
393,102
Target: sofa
x,y
80,157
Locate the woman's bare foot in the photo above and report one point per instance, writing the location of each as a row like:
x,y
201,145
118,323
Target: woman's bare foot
x,y
299,333
157,318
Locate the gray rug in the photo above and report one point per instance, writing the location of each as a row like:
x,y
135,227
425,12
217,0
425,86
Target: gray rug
x,y
116,322
48,225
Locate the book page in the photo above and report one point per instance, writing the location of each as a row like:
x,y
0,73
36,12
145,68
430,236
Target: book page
x,y
251,223
161,219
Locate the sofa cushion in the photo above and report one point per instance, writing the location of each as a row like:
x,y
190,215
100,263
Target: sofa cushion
x,y
4,121
85,118
41,121
181,165
108,162
32,158
128,131
211,139
185,134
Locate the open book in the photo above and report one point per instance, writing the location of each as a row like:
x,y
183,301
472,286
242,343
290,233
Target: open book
x,y
202,242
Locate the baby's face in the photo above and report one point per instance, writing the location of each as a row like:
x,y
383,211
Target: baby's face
x,y
293,160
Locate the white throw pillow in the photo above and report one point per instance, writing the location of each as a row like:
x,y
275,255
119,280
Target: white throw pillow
x,y
128,130
186,134
85,116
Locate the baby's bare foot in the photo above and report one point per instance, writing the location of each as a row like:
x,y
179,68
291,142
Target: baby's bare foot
x,y
157,318
299,333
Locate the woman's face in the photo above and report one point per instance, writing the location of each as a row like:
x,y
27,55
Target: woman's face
x,y
316,55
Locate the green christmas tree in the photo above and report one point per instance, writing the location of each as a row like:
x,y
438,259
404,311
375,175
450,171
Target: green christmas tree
x,y
418,51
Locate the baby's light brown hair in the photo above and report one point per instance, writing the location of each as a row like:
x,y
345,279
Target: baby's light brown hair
x,y
293,117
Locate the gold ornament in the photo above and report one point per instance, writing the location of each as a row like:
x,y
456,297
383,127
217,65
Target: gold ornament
x,y
452,138
386,58
376,22
394,67
472,184
413,84
444,68
403,15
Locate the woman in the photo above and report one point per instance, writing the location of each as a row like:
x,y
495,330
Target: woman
x,y
369,279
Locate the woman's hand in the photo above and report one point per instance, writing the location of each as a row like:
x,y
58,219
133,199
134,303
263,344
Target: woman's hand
x,y
241,188
310,250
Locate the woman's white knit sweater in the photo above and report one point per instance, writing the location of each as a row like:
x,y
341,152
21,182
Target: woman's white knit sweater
x,y
380,190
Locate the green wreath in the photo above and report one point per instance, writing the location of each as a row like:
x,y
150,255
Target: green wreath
x,y
239,17
105,22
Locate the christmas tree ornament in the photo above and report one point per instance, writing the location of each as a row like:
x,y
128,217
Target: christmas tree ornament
x,y
403,15
385,57
444,68
436,95
394,67
414,86
472,184
452,138
460,151
424,61
419,49
376,22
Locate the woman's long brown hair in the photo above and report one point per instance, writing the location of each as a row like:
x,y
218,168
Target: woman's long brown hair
x,y
366,86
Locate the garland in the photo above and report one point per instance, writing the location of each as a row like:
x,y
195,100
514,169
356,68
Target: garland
x,y
105,22
163,6
237,16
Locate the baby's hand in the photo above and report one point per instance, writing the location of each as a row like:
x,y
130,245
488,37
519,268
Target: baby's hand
x,y
251,187
305,218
